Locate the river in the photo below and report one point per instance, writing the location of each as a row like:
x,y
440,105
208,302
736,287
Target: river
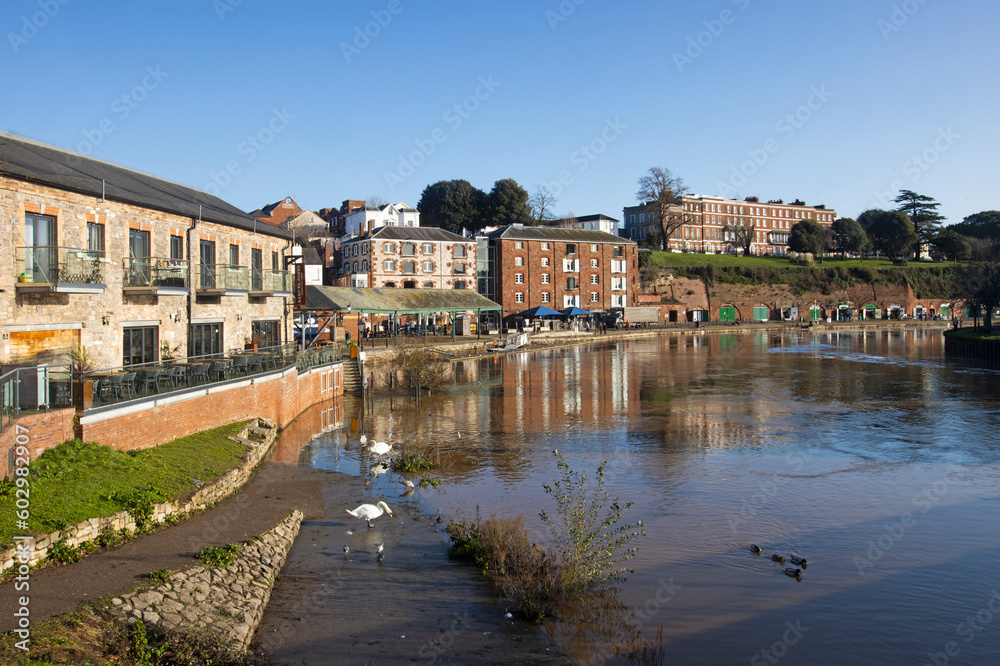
x,y
867,452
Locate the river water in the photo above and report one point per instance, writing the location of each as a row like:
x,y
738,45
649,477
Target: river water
x,y
867,452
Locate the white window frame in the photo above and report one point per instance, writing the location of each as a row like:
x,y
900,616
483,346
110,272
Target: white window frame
x,y
545,261
545,278
518,278
389,265
519,297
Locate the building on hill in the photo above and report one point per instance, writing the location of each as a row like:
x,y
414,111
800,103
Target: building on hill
x,y
337,217
608,225
367,219
409,258
127,264
278,213
306,226
709,223
524,267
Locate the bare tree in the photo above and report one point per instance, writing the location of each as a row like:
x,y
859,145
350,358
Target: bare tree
x,y
376,200
662,191
739,230
541,203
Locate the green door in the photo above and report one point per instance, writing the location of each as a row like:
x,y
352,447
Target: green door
x,y
945,311
727,313
814,313
760,314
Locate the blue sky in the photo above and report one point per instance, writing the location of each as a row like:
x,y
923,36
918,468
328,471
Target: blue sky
x,y
841,103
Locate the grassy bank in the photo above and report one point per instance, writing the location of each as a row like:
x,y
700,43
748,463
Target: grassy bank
x,y
80,480
975,334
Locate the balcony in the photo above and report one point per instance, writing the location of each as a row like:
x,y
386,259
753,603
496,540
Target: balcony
x,y
156,276
223,280
274,282
67,270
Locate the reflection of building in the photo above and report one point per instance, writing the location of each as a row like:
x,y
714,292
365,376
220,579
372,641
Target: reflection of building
x,y
709,223
558,268
125,263
410,258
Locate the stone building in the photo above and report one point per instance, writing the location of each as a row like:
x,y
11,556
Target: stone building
x,y
127,264
524,267
410,258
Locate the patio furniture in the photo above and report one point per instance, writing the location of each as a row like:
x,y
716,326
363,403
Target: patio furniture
x,y
178,375
256,363
241,365
127,385
219,370
198,374
149,381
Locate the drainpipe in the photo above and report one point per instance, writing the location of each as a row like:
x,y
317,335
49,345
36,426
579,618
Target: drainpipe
x,y
191,277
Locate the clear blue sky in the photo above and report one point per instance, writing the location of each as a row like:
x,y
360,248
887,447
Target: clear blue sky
x,y
177,89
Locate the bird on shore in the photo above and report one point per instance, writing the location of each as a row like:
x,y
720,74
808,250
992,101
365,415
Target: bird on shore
x,y
778,558
507,615
793,573
347,549
369,512
380,549
380,557
380,448
755,549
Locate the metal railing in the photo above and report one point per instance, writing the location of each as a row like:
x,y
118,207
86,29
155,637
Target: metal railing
x,y
52,264
270,280
223,276
156,272
35,389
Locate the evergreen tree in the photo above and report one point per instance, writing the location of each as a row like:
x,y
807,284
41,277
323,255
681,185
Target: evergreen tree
x,y
922,211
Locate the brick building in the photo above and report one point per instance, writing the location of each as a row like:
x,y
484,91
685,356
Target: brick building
x,y
410,258
278,213
125,263
523,267
709,222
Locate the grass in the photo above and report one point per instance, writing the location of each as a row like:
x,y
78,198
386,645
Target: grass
x,y
971,334
92,636
215,558
79,480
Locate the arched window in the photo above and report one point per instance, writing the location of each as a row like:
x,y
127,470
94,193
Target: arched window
x,y
409,249
460,252
409,267
389,265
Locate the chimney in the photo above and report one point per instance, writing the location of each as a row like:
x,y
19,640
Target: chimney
x,y
369,228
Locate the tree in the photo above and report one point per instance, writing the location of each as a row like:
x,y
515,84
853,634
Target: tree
x,y
891,232
979,286
980,225
541,203
663,192
953,245
508,203
376,200
739,230
452,205
848,237
922,211
808,236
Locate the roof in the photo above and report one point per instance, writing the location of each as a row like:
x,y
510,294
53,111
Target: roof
x,y
310,257
591,218
386,300
557,234
36,162
415,234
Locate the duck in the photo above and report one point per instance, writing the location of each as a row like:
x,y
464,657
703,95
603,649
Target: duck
x,y
369,512
797,560
793,573
778,558
380,448
755,549
380,549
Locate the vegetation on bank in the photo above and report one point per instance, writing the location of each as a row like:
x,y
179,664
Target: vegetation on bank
x,y
976,334
928,280
92,636
79,480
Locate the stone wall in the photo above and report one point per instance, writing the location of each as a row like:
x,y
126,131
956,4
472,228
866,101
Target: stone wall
x,y
226,603
259,437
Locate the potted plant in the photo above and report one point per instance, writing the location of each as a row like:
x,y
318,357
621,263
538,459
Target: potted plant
x,y
252,341
168,353
81,365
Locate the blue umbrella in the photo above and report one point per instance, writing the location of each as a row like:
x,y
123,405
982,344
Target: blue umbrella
x,y
540,311
574,312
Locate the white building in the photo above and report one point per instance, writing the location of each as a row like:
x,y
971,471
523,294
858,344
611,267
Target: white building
x,y
370,218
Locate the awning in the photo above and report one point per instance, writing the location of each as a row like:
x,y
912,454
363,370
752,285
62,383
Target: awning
x,y
540,311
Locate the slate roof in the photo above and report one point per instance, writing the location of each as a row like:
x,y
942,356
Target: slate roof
x,y
564,235
386,300
36,162
414,234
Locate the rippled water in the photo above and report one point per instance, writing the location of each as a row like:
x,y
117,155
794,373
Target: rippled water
x,y
869,453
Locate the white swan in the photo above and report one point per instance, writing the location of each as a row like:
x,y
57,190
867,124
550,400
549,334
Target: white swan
x,y
407,483
370,512
380,448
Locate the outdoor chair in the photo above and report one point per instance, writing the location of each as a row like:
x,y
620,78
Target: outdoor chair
x,y
127,384
241,365
219,370
178,375
255,363
150,380
198,374
164,377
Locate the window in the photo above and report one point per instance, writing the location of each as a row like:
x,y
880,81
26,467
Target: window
x,y
519,261
459,268
409,249
204,339
256,269
409,267
570,248
355,267
593,263
428,285
545,246
206,254
459,284
545,278
389,248
618,284
595,279
139,345
519,297
571,266
176,247
354,251
617,301
571,283
40,235
389,265
545,261
267,333
391,285
234,255
274,261
428,266
518,278
459,252
518,245
593,248
618,252
95,237
428,248
617,266
364,266
594,297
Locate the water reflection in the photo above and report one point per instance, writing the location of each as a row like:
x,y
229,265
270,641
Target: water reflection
x,y
796,441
